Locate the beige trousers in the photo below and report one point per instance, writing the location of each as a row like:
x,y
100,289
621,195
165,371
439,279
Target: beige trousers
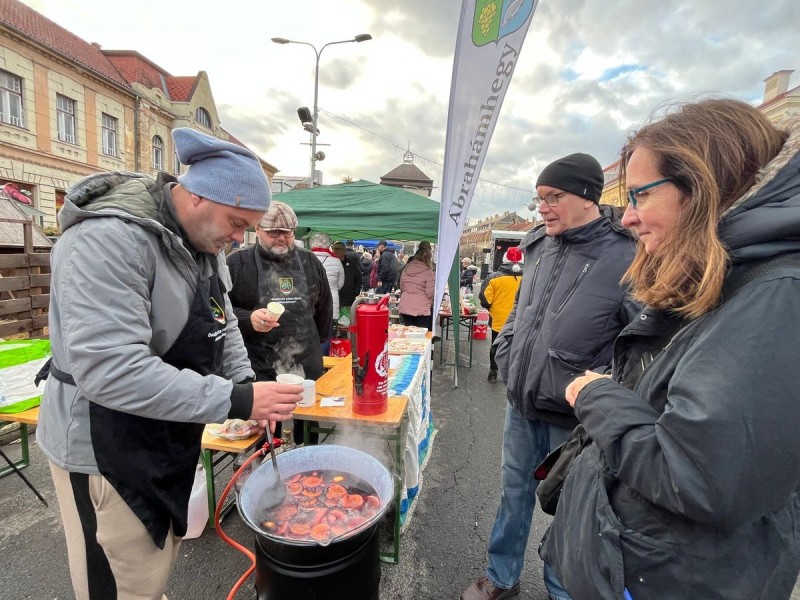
x,y
111,554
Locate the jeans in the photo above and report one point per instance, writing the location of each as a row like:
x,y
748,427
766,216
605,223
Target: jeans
x,y
553,585
492,352
525,444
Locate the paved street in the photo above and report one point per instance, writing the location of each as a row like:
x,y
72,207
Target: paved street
x,y
441,551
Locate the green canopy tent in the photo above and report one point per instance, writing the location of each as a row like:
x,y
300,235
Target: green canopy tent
x,y
363,209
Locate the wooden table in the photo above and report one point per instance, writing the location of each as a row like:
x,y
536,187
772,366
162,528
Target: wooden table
x,y
338,381
212,445
24,418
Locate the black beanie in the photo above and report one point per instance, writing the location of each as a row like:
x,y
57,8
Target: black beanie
x,y
579,174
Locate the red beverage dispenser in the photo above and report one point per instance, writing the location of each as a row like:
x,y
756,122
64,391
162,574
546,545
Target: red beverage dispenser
x,y
369,338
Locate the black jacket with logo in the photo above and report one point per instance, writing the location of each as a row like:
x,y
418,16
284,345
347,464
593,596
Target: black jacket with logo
x,y
307,321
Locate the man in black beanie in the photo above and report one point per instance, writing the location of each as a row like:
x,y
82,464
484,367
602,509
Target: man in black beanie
x,y
569,309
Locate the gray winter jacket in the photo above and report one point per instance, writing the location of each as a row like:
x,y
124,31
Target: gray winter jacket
x,y
691,488
570,306
121,290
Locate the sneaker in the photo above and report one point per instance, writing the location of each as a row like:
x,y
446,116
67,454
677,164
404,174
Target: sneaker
x,y
492,378
483,589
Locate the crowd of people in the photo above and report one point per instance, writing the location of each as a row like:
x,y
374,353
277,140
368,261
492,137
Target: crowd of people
x,y
663,334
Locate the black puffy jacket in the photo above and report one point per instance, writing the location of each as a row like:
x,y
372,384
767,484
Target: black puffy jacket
x,y
569,309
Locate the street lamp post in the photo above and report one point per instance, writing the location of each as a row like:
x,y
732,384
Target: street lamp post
x,y
363,37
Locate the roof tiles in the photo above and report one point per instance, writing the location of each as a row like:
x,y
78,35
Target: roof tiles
x,y
42,30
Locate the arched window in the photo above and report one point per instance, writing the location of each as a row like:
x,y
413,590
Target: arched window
x,y
202,117
158,153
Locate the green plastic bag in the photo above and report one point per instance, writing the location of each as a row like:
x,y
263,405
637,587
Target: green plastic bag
x,y
20,360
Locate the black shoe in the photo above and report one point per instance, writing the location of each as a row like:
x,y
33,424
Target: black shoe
x,y
492,378
435,339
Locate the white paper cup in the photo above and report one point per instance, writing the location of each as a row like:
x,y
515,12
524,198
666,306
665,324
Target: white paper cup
x,y
275,309
289,378
309,393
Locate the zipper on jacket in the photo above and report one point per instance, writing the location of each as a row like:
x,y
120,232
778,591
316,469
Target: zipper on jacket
x,y
575,285
527,348
533,285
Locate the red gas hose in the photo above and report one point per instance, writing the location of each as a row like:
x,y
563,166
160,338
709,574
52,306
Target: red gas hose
x,y
218,512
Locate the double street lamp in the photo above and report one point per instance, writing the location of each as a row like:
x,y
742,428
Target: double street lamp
x,y
312,126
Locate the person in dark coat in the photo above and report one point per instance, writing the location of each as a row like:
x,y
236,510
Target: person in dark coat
x,y
355,257
388,268
468,273
276,270
569,309
352,280
498,294
365,261
691,488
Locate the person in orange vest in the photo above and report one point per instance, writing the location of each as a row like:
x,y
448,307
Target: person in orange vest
x,y
497,296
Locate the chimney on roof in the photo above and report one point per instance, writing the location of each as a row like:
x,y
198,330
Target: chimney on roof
x,y
776,84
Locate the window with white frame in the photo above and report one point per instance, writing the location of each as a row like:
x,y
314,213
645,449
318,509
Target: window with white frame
x,y
158,153
202,117
65,110
110,126
176,168
11,99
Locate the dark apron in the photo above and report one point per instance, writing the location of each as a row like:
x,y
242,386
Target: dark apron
x,y
151,463
296,342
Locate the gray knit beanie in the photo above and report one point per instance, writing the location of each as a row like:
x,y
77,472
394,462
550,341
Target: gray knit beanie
x,y
221,171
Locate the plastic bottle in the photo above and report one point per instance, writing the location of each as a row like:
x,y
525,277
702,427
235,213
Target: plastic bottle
x,y
198,505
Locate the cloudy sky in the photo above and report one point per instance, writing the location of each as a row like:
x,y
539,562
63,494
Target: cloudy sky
x,y
589,73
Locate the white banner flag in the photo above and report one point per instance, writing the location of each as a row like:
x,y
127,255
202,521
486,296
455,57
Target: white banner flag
x,y
490,35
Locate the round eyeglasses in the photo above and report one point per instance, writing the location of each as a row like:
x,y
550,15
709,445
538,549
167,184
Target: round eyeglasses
x,y
550,199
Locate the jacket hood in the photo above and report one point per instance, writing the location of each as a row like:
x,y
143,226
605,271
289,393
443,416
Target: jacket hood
x,y
765,221
509,269
117,193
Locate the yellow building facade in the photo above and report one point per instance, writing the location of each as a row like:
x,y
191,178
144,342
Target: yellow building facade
x,y
69,109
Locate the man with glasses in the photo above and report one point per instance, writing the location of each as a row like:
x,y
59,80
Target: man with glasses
x,y
569,309
276,270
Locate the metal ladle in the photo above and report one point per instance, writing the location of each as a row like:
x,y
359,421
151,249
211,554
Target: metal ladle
x,y
275,492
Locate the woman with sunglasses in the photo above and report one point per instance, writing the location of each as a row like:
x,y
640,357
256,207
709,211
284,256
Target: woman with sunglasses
x,y
690,488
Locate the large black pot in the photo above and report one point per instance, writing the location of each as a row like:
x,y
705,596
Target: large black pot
x,y
347,567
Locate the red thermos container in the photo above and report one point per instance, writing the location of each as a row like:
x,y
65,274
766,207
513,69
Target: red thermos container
x,y
369,337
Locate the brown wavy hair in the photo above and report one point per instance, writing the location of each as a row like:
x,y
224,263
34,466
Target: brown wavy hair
x,y
712,150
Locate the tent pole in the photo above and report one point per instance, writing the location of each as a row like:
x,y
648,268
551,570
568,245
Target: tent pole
x,y
454,283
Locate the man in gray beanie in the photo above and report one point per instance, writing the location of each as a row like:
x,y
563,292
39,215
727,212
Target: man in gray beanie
x,y
570,307
145,351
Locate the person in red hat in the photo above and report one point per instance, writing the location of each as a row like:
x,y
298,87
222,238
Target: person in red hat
x,y
497,296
